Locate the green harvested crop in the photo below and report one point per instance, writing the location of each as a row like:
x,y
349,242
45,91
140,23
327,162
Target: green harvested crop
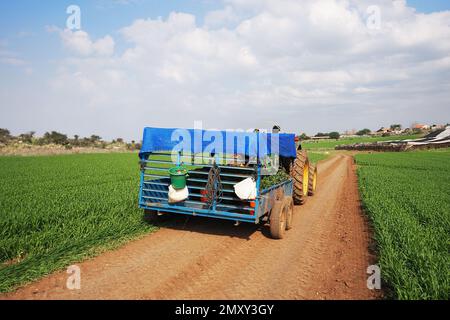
x,y
279,177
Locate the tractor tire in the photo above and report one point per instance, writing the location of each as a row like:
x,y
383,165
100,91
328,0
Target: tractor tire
x,y
278,220
300,174
312,184
289,204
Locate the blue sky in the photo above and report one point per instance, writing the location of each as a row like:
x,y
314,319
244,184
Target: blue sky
x,y
35,56
23,23
28,18
428,6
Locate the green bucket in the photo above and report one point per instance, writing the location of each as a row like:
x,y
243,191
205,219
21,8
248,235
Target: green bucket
x,y
178,177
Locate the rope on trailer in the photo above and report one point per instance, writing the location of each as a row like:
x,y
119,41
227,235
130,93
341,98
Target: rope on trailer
x,y
214,186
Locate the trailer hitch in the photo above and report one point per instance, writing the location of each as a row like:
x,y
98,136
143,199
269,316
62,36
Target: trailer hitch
x,y
142,164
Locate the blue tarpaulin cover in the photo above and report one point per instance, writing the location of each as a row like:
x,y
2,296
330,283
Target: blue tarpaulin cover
x,y
230,142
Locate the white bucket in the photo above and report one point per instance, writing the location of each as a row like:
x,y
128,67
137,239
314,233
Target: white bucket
x,y
177,195
246,189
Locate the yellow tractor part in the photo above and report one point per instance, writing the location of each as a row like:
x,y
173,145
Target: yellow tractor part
x,y
312,180
305,178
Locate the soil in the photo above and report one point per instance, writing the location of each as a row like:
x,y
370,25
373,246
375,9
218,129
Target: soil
x,y
324,256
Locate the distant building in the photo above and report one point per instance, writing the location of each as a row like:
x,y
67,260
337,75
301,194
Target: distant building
x,y
437,127
420,126
320,138
383,130
349,132
406,130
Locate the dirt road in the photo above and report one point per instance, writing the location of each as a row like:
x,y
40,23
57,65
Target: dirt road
x,y
324,256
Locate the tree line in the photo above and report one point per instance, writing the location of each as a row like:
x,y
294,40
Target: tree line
x,y
57,138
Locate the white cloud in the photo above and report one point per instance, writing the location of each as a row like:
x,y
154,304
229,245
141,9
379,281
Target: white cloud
x,y
221,18
80,43
13,61
9,57
307,65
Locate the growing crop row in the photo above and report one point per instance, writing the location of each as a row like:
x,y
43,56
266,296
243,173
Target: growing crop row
x,y
59,209
407,197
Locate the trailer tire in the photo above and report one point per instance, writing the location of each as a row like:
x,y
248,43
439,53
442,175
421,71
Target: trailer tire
x,y
278,220
289,203
312,184
300,174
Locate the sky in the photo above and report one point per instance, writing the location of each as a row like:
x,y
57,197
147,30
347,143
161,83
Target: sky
x,y
310,66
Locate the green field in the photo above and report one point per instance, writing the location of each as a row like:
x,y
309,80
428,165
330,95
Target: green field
x,y
56,210
315,157
407,197
330,144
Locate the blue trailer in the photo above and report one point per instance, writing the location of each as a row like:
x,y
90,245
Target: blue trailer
x,y
212,176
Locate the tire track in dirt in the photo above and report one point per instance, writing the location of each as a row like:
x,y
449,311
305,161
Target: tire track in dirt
x,y
324,256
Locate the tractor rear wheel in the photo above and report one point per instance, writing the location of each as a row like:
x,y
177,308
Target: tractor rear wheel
x,y
278,220
300,174
312,180
289,204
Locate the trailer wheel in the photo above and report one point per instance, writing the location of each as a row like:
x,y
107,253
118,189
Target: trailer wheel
x,y
278,220
289,204
312,180
300,174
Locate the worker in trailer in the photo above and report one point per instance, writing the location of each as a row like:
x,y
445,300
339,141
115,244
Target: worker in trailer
x,y
273,161
276,129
